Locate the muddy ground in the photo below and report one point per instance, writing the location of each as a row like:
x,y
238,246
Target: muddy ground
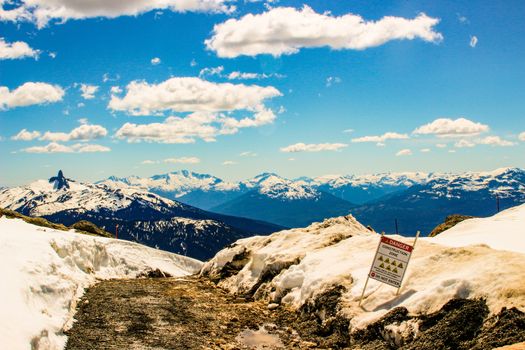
x,y
176,313
192,313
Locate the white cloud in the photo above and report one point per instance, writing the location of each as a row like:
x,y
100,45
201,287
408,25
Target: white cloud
x,y
16,50
84,132
86,148
333,80
404,152
88,91
116,90
149,162
348,131
495,141
380,139
30,94
451,151
193,63
210,71
248,154
54,147
172,130
107,77
25,135
441,145
236,75
155,61
522,136
313,147
464,144
183,160
424,150
285,30
488,140
445,127
200,125
229,162
42,12
473,41
189,94
83,121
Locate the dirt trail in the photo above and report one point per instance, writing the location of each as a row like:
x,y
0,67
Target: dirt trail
x,y
177,313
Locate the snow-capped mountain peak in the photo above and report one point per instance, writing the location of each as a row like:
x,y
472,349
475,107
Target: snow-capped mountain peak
x,y
178,183
381,179
275,186
503,182
43,197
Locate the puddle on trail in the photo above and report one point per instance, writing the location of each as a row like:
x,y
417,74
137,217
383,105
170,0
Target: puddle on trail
x,y
259,339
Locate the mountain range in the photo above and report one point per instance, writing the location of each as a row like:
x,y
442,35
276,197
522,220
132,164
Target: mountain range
x,y
417,200
141,216
261,205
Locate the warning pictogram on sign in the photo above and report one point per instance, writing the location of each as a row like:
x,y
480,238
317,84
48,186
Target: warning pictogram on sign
x,y
390,262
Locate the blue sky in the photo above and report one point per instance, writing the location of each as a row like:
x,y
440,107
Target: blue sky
x,y
449,87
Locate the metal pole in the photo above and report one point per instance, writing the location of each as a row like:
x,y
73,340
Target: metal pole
x,y
368,276
413,248
116,232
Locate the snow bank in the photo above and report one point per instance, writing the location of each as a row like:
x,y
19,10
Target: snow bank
x,y
294,267
45,272
505,231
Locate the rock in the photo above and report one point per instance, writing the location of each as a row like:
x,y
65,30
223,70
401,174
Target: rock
x,y
60,181
273,306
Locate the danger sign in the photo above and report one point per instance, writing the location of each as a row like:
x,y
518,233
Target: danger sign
x,y
390,261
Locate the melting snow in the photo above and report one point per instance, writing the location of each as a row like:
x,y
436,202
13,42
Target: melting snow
x,y
338,252
504,231
45,272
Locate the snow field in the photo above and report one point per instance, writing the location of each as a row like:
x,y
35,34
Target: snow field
x,y
45,272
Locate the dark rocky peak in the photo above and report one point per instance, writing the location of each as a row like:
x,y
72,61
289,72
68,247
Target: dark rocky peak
x,y
60,181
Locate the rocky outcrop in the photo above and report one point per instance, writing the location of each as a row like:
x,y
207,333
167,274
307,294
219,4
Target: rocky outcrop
x,y
450,221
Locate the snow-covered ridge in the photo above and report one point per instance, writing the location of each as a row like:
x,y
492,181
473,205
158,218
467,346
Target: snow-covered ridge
x,y
304,263
179,183
274,186
42,198
471,180
406,179
46,271
503,181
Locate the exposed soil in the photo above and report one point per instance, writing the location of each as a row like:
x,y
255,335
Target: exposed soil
x,y
177,313
192,313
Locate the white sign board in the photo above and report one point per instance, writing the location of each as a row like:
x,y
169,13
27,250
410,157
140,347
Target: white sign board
x,y
391,261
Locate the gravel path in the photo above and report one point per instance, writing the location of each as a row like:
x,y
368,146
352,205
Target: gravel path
x,y
176,313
